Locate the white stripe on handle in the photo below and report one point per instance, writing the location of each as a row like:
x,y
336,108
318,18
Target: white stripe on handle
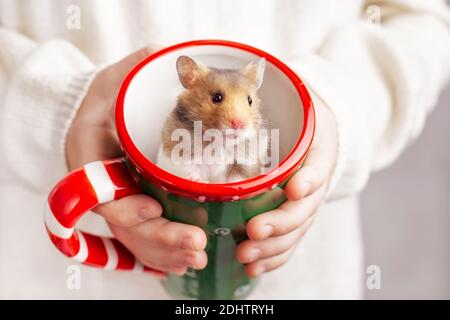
x,y
54,225
111,252
82,254
100,181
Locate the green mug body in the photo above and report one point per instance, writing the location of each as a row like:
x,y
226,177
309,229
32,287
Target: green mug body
x,y
224,223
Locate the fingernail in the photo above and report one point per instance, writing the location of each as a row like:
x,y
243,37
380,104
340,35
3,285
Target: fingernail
x,y
186,243
266,231
254,254
144,214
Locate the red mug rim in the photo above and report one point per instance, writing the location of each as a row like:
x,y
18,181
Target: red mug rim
x,y
218,192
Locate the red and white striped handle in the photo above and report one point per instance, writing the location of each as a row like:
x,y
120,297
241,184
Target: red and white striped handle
x,y
81,190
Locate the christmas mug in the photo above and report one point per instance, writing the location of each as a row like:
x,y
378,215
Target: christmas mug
x,y
146,97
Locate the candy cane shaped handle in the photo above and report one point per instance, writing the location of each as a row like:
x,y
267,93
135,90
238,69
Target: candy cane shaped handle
x,y
81,190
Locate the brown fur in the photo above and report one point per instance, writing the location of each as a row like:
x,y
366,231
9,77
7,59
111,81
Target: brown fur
x,y
195,104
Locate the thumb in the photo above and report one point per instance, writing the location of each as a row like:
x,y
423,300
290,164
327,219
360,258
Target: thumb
x,y
120,69
130,211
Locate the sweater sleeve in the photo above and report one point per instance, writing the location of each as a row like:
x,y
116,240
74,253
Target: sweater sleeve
x,y
381,81
41,87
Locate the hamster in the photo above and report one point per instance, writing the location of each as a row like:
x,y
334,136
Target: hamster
x,y
222,101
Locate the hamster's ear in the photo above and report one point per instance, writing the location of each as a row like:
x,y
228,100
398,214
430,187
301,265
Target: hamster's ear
x,y
255,72
189,71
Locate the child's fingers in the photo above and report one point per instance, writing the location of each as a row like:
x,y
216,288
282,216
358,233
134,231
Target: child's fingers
x,y
259,267
311,176
179,271
178,235
162,233
174,260
288,217
130,211
158,243
252,250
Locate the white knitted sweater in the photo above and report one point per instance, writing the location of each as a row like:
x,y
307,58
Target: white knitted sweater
x,y
381,81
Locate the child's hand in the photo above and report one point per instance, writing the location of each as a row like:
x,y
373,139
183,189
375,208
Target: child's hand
x,y
275,234
135,220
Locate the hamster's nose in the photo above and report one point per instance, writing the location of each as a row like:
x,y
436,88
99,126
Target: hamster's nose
x,y
237,124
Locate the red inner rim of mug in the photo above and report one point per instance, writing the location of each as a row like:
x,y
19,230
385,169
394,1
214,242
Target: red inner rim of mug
x,y
226,191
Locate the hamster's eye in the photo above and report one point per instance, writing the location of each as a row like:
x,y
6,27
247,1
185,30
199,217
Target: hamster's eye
x,y
217,97
249,99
